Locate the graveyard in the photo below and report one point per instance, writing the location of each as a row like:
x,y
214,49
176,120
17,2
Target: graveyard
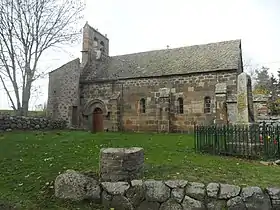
x,y
30,162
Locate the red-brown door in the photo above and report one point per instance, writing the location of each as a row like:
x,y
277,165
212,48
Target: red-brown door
x,y
98,120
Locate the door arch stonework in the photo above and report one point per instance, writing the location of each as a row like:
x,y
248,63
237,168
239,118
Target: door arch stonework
x,y
95,110
93,104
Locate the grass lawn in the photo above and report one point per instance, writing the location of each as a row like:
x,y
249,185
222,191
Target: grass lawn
x,y
30,161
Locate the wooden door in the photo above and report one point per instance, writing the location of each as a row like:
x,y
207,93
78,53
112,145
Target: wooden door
x,y
98,120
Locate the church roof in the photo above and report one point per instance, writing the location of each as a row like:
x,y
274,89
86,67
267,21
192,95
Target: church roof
x,y
217,56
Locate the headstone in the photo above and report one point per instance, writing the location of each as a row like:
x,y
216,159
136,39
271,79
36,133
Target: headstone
x,y
242,143
245,110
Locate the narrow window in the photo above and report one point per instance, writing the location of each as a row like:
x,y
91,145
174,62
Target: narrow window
x,y
180,106
74,115
108,117
142,105
102,46
95,42
207,104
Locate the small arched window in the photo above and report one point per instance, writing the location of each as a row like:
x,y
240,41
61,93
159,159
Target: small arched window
x,y
180,106
95,42
142,105
102,46
207,104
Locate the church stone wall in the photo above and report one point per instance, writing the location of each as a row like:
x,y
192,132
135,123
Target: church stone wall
x,y
260,107
63,91
160,113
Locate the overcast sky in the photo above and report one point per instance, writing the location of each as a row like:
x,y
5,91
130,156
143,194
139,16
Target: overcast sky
x,y
142,25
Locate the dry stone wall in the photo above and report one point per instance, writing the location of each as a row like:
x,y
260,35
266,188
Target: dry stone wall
x,y
8,123
164,195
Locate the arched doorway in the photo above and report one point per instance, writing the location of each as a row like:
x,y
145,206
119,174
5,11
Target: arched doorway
x,y
97,120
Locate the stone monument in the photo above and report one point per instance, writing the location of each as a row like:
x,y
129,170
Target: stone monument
x,y
243,142
121,164
245,110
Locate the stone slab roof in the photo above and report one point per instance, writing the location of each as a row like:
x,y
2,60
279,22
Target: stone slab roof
x,y
224,55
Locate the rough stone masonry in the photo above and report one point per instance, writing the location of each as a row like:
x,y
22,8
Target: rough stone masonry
x,y
9,123
129,193
124,92
164,195
121,164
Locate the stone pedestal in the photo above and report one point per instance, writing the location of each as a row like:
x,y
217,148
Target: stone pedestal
x,y
121,164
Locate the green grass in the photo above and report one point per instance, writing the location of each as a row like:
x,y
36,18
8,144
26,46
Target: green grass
x,y
30,161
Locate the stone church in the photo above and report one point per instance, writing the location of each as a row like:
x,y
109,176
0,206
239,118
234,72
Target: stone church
x,y
166,90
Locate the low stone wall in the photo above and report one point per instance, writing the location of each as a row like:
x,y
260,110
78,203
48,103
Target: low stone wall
x,y
8,123
164,195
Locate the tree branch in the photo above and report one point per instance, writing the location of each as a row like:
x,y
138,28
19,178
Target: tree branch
x,y
8,93
27,29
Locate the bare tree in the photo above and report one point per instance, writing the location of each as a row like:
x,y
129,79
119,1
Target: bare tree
x,y
28,28
251,70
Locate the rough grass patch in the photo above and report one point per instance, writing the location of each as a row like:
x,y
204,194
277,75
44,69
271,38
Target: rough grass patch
x,y
30,161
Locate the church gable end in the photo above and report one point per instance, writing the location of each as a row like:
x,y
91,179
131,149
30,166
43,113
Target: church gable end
x,y
63,91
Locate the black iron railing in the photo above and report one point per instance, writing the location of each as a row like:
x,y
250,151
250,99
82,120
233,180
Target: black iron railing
x,y
258,141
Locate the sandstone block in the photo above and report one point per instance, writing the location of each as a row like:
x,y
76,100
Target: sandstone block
x,y
178,194
274,194
190,203
217,205
156,191
228,191
106,199
147,205
236,203
136,193
170,205
76,186
196,190
212,190
254,198
176,183
121,164
115,188
121,202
